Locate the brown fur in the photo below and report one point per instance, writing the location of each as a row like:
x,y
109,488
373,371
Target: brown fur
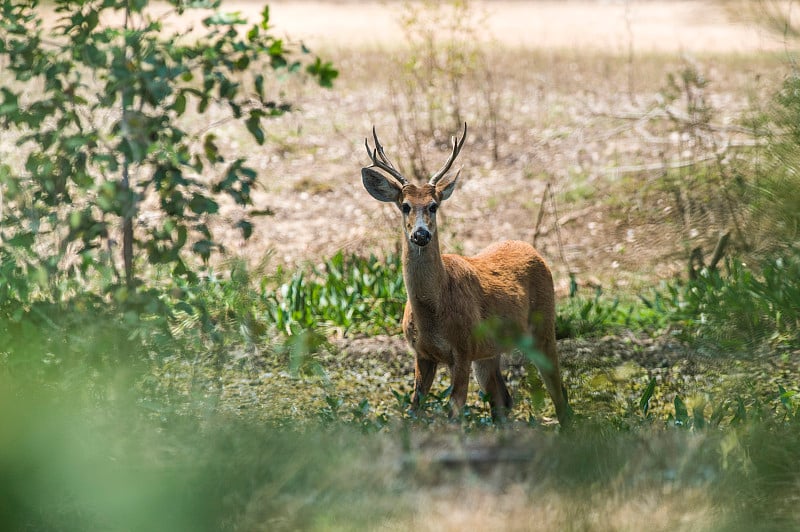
x,y
451,296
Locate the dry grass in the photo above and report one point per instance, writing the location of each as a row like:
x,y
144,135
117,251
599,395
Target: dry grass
x,y
565,114
517,509
563,119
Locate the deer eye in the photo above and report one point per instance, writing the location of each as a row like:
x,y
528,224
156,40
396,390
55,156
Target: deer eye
x,y
432,208
406,208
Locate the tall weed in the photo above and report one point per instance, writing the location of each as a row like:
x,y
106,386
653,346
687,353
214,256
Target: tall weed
x,y
743,308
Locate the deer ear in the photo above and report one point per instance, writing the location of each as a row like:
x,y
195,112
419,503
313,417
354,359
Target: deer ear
x,y
446,186
379,187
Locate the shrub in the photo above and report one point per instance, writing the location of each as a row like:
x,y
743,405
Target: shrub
x,y
96,109
743,308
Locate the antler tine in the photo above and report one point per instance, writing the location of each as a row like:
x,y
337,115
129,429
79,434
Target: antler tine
x,y
379,148
384,164
457,144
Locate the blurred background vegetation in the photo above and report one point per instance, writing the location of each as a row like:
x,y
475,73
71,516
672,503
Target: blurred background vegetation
x,y
151,379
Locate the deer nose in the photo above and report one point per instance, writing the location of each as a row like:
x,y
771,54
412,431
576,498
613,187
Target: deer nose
x,y
421,237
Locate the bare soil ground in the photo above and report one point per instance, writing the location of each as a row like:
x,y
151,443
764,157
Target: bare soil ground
x,y
682,26
574,87
574,82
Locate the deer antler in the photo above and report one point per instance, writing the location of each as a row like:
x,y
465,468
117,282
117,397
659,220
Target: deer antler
x,y
383,163
457,144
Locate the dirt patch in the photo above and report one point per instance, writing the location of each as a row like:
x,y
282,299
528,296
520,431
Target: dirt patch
x,y
566,83
568,73
583,25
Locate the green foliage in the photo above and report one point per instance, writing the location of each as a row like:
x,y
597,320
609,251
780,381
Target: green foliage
x,y
350,294
644,401
103,429
68,465
103,148
739,309
581,316
111,457
744,308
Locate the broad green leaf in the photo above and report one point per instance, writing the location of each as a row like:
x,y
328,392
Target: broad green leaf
x,y
323,71
203,205
246,227
681,412
253,124
644,401
179,105
203,248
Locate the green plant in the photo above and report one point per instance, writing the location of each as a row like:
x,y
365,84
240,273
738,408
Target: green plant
x,y
580,316
744,307
350,294
106,163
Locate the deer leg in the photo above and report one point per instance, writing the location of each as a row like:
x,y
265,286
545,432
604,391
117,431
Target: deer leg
x,y
459,377
551,376
488,375
424,372
542,320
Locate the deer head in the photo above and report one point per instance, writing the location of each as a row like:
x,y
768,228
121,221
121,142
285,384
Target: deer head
x,y
418,203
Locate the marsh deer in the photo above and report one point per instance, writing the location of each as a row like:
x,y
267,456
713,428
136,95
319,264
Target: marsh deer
x,y
450,296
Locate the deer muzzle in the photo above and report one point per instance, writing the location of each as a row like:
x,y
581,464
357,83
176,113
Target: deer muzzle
x,y
421,237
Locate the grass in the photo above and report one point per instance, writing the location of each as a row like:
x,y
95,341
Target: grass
x,y
243,402
122,458
239,410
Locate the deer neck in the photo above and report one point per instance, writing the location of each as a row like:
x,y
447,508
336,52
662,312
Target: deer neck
x,y
424,274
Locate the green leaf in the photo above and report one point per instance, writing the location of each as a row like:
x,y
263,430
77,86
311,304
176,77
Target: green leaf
x,y
201,4
681,412
259,84
75,219
276,48
147,75
179,105
277,61
265,17
324,72
787,398
225,19
253,124
10,103
210,148
242,63
200,204
246,227
22,240
203,248
644,401
11,183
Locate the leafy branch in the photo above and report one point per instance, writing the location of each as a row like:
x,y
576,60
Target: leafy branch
x,y
98,108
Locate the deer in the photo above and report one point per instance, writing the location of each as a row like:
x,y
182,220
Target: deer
x,y
450,296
